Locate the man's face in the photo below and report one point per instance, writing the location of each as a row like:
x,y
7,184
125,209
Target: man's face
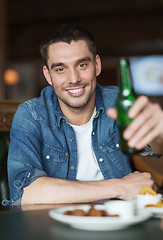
x,y
72,72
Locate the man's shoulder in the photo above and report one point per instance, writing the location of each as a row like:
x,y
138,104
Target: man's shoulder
x,y
39,106
45,98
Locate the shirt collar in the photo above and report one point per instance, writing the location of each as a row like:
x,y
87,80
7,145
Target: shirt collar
x,y
98,102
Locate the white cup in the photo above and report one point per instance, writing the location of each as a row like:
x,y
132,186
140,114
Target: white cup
x,y
125,209
145,199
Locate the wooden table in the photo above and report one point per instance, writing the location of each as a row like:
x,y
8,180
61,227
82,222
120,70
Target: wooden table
x,y
34,223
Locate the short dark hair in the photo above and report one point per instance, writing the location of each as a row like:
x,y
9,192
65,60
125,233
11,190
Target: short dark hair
x,y
67,33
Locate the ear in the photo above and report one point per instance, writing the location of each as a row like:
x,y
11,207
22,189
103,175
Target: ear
x,y
47,74
98,65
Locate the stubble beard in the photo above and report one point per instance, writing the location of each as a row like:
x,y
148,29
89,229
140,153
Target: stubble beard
x,y
73,106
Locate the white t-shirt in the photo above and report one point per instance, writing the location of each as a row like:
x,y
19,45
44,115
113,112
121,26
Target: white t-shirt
x,y
88,168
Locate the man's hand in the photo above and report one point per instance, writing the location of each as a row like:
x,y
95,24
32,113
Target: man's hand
x,y
146,127
133,183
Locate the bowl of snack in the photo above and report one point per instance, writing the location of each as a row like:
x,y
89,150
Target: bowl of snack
x,y
147,196
125,209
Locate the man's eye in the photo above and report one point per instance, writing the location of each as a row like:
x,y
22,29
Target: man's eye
x,y
60,69
83,65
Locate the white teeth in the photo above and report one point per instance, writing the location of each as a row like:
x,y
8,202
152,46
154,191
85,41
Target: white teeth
x,y
75,90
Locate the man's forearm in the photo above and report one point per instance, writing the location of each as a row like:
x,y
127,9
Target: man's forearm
x,y
46,190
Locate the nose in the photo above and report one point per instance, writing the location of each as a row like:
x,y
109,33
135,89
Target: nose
x,y
73,76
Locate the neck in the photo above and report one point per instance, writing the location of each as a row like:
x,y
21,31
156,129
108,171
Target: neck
x,y
79,116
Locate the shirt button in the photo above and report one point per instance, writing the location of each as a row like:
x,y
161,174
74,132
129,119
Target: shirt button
x,y
28,175
47,157
93,133
72,139
72,168
117,145
101,160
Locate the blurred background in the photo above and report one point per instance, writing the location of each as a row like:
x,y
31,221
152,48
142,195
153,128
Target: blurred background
x,y
131,28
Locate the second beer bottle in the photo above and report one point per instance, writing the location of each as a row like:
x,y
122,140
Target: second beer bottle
x,y
125,100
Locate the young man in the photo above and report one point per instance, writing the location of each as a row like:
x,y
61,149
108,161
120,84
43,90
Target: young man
x,y
64,148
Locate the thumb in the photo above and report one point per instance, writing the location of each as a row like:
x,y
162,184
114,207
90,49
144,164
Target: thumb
x,y
112,112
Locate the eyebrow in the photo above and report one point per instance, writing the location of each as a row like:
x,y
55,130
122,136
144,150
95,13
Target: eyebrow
x,y
85,59
56,65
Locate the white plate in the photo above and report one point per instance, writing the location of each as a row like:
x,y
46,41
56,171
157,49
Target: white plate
x,y
96,223
156,211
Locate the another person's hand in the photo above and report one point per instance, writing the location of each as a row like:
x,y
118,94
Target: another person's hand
x,y
146,127
133,183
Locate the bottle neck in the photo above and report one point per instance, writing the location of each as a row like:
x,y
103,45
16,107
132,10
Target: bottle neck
x,y
125,80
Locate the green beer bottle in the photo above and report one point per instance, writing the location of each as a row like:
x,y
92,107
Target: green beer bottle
x,y
125,100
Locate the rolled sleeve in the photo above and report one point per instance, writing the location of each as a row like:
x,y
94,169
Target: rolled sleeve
x,y
19,184
29,178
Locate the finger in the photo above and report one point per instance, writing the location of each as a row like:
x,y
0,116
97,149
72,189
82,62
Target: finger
x,y
147,119
140,103
148,176
112,112
148,131
136,172
148,138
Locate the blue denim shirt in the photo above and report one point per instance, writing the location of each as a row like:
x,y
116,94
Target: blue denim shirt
x,y
44,144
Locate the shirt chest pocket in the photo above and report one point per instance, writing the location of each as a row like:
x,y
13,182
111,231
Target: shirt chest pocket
x,y
112,149
54,161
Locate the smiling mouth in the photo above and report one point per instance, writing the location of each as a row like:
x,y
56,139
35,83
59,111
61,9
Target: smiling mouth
x,y
75,90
